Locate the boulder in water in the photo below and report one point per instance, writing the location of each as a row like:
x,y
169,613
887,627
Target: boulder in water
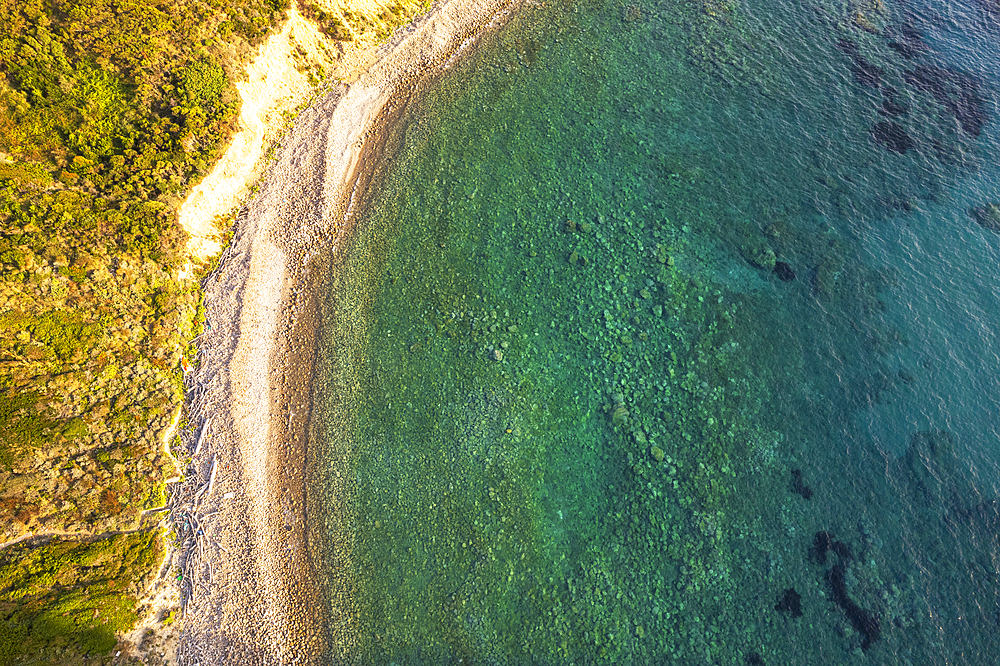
x,y
987,216
784,271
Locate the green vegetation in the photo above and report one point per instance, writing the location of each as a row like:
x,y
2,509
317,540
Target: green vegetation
x,y
328,22
110,110
64,600
342,24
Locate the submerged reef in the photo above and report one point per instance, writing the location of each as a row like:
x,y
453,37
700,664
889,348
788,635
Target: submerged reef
x,y
883,52
784,272
864,622
907,41
987,216
937,470
891,106
892,137
799,487
864,72
824,543
958,92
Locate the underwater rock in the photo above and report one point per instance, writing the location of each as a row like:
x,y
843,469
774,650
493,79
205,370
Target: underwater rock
x,y
907,41
987,216
822,543
829,270
661,253
939,473
865,73
790,602
892,136
890,107
958,92
799,487
761,256
619,417
848,46
864,622
842,550
784,271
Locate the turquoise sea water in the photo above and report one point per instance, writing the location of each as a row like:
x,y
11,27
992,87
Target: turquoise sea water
x,y
666,335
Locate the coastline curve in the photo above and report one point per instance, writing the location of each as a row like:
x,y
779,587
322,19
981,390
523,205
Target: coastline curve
x,y
252,586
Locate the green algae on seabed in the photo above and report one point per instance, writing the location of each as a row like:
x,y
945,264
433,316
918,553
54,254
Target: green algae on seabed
x,y
559,375
500,511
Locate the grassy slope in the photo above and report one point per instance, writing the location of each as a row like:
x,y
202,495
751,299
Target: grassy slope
x,y
67,599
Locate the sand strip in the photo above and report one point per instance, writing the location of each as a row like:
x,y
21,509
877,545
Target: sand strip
x,y
274,84
253,595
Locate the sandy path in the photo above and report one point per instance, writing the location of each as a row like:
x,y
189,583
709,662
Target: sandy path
x,y
274,85
256,597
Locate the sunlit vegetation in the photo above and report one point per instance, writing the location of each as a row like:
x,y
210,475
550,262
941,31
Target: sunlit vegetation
x,y
376,22
65,600
110,111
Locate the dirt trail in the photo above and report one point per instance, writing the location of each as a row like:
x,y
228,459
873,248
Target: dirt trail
x,y
274,86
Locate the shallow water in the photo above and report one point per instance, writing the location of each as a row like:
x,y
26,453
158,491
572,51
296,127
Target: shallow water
x,y
666,335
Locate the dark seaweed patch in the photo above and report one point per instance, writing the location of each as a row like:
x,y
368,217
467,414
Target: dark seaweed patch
x,y
863,622
987,216
822,543
797,485
848,47
785,273
892,108
865,73
842,550
790,602
907,42
892,137
960,93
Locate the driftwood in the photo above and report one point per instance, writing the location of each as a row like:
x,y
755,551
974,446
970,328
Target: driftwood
x,y
211,476
197,495
201,438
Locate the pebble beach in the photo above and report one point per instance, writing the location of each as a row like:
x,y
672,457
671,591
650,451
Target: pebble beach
x,y
250,585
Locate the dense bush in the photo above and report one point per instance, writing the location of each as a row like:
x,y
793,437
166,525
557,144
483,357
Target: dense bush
x,y
110,110
68,598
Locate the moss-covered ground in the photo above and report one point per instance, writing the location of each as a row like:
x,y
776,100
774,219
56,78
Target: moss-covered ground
x,y
64,602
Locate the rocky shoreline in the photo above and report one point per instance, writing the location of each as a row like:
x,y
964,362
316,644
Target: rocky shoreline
x,y
252,589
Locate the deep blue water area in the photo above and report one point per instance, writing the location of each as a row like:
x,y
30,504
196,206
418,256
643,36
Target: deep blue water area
x,y
667,334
